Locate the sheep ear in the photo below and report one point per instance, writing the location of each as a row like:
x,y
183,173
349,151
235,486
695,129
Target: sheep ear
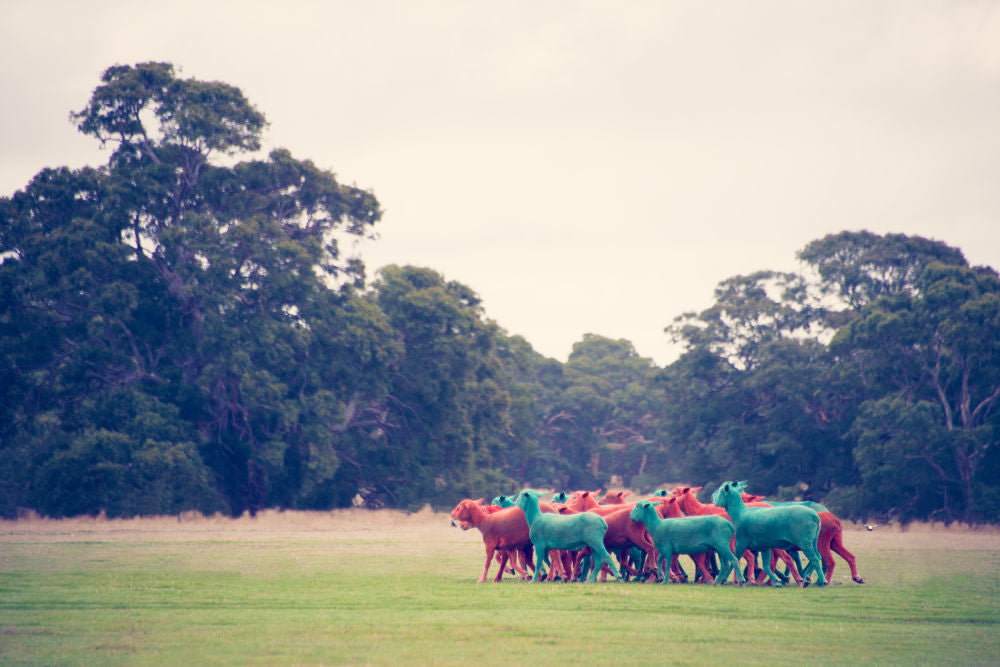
x,y
658,502
741,485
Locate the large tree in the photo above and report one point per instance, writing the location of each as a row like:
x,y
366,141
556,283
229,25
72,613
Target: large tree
x,y
749,312
622,421
179,272
445,409
857,267
934,354
745,399
758,394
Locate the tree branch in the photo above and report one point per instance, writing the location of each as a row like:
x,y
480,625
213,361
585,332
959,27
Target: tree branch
x,y
936,378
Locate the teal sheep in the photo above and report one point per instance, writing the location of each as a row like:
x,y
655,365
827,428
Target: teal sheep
x,y
689,535
565,532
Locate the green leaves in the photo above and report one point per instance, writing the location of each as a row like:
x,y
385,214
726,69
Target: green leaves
x,y
446,412
178,331
940,344
172,276
201,116
860,267
899,406
133,456
749,312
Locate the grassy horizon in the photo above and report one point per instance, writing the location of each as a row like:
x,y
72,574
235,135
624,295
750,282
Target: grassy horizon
x,y
384,590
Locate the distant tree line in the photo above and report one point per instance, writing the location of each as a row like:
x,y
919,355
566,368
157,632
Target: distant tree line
x,y
182,330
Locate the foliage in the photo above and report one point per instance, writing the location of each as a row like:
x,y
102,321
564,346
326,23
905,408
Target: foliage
x,y
180,328
860,267
444,411
193,284
893,417
934,355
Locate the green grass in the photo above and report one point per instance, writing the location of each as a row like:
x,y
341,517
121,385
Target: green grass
x,y
325,599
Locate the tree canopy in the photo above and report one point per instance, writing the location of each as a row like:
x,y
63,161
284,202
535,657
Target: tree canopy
x,y
180,329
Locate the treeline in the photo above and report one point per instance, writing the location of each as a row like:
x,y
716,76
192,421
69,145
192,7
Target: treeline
x,y
182,330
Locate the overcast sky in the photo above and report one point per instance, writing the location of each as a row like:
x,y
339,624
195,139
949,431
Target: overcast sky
x,y
586,167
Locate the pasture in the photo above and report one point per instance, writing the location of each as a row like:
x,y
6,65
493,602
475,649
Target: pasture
x,y
361,587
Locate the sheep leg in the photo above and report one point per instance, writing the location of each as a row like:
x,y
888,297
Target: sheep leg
x,y
838,545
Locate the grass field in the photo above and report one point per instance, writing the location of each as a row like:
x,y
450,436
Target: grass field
x,y
360,587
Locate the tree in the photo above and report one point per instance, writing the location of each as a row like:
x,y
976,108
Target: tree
x,y
626,442
936,346
769,423
895,438
745,398
749,312
856,268
446,411
179,329
134,456
913,336
179,273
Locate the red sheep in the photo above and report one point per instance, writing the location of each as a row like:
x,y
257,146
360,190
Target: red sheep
x,y
582,500
504,529
615,497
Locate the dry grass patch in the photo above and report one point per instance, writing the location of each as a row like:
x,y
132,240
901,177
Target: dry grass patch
x,y
925,536
395,525
266,525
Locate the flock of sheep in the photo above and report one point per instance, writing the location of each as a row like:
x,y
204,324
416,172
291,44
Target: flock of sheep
x,y
574,535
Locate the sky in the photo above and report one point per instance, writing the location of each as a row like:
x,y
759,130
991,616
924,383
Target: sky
x,y
584,166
